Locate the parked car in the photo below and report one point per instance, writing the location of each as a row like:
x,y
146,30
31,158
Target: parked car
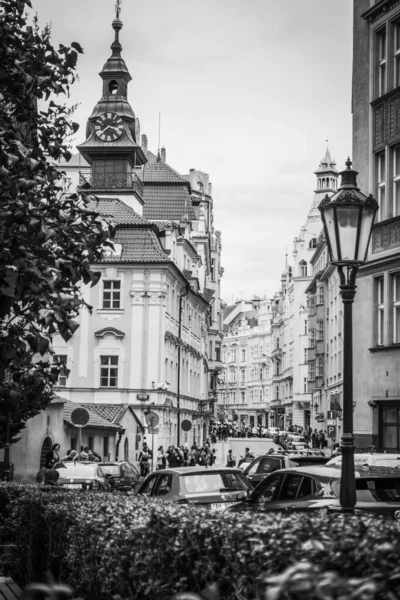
x,y
312,488
262,466
82,476
377,459
122,476
295,442
214,487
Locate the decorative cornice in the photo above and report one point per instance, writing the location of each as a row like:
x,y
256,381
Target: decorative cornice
x,y
109,331
379,10
381,265
179,342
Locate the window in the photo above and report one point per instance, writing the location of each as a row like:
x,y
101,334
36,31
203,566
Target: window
x,y
320,330
305,385
111,294
306,326
233,355
164,485
313,243
320,294
305,355
108,371
311,338
396,52
395,285
63,376
311,371
148,487
268,489
243,354
381,62
303,268
380,310
242,375
396,182
380,162
320,366
243,397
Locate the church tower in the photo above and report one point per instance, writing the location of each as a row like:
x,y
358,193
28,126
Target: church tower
x,y
112,145
327,178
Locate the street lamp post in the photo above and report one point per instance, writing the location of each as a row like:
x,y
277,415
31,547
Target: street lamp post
x,y
348,217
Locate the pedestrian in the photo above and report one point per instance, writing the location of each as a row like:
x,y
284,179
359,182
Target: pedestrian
x,y
96,456
248,454
52,456
69,456
144,462
230,459
185,456
161,459
213,457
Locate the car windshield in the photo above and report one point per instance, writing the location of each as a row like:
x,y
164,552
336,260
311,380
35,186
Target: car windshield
x,y
199,483
382,489
79,470
111,470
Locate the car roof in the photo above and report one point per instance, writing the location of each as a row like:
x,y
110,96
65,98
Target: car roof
x,y
295,454
198,469
332,472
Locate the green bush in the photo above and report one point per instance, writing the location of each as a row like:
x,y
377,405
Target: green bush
x,y
118,546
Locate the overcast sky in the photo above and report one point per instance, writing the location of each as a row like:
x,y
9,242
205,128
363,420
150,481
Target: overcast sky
x,y
249,92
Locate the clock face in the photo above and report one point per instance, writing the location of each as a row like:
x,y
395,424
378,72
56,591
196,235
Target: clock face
x,y
109,127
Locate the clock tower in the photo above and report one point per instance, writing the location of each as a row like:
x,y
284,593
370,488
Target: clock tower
x,y
112,145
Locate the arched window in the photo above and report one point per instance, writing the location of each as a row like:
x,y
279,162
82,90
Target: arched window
x,y
113,87
126,449
313,243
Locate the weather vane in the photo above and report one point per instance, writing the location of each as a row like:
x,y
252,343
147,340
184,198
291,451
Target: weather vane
x,y
118,8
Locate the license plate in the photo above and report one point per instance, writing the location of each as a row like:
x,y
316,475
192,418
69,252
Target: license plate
x,y
221,505
72,486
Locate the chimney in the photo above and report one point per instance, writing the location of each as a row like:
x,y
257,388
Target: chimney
x,y
210,189
144,144
163,154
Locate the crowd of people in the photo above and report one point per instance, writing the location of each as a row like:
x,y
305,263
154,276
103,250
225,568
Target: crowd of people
x,y
177,456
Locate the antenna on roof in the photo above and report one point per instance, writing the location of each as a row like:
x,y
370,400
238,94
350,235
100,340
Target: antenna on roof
x,y
286,257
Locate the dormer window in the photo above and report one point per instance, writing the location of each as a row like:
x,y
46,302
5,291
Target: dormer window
x,y
313,243
199,186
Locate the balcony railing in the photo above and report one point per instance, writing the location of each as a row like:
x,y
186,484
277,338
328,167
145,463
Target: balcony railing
x,y
117,181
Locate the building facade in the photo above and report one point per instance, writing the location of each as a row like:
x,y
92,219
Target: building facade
x,y
294,326
244,385
376,156
151,341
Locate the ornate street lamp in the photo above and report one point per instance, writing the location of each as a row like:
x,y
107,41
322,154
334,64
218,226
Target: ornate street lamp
x,y
348,217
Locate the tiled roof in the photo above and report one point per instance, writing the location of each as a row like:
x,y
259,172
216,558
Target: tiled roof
x,y
167,203
121,213
110,412
95,420
161,172
139,244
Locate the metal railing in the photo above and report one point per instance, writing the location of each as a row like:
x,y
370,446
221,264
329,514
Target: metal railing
x,y
117,181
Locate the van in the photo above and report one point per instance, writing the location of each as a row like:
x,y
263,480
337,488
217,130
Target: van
x,y
372,459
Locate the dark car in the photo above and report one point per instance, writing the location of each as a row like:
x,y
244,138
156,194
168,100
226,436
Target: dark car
x,y
262,466
214,487
318,488
82,476
122,476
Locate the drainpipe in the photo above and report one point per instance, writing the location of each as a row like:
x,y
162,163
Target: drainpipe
x,y
178,391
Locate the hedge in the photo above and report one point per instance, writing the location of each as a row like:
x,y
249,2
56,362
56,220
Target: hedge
x,y
116,546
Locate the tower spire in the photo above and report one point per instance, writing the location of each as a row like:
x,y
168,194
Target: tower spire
x,y
118,8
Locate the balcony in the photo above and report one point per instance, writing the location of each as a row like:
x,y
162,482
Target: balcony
x,y
215,365
276,353
117,181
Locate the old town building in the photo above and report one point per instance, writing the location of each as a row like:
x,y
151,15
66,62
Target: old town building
x,y
244,385
152,340
376,156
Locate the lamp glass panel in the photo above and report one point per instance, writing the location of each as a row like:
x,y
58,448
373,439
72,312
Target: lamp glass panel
x,y
328,216
367,220
347,219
